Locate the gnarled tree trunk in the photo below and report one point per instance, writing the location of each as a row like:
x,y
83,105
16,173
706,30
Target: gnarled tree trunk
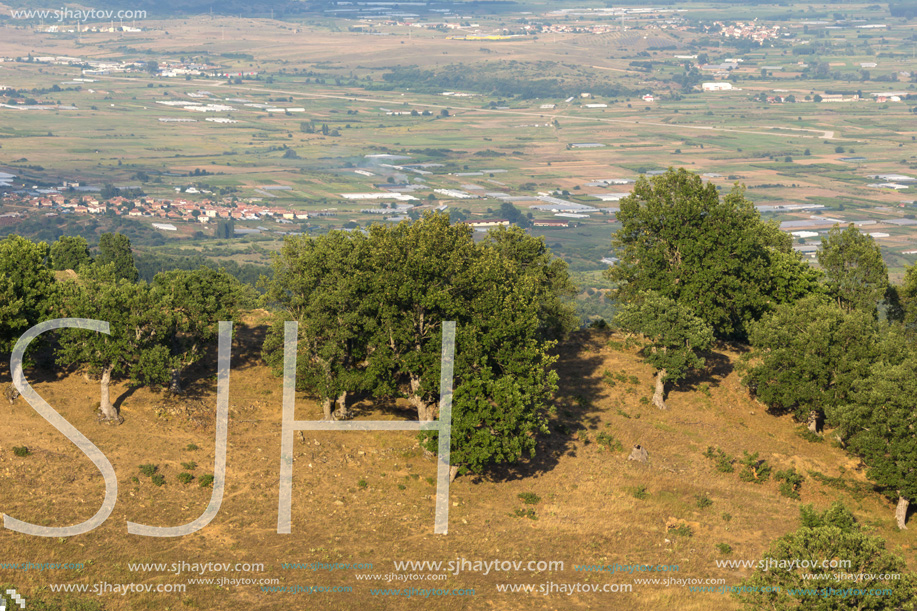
x,y
813,421
326,408
426,412
341,413
453,471
659,395
901,512
108,410
175,382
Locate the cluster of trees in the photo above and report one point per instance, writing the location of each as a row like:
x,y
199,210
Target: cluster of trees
x,y
834,346
370,309
157,329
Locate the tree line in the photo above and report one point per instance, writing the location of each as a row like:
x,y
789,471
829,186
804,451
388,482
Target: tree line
x,y
157,328
834,346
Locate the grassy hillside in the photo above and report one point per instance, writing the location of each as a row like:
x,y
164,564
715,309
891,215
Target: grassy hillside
x,y
591,508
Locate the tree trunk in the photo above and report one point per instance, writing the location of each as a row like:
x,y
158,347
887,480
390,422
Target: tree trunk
x,y
326,408
175,383
453,472
108,410
813,421
659,395
901,512
425,411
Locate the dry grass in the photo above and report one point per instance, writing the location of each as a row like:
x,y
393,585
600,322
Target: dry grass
x,y
588,512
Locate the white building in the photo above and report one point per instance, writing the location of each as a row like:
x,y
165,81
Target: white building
x,y
717,86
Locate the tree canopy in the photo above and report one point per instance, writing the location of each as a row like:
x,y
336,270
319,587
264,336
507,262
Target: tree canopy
x,y
371,308
676,337
115,249
712,255
70,252
27,288
855,272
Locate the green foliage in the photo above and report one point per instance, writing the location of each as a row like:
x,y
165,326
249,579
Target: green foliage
x,y
370,310
115,249
205,481
639,492
27,288
703,501
723,461
754,470
682,530
191,447
149,469
724,548
189,466
158,479
714,257
676,337
529,498
21,451
70,252
882,418
830,535
804,432
608,442
185,478
791,482
808,356
525,513
362,484
855,273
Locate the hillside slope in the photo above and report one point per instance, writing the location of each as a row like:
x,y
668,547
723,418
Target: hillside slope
x,y
589,512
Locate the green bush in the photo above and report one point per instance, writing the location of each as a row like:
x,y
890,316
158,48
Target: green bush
x,y
529,498
185,478
608,442
191,447
682,530
722,459
149,469
205,481
724,548
189,466
791,482
703,501
362,484
754,470
21,451
638,492
158,479
526,513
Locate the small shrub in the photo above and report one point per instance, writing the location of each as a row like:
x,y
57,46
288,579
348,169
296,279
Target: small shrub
x,y
608,378
644,400
21,451
754,470
791,482
135,479
529,498
205,481
189,466
727,517
682,530
639,492
191,447
526,513
724,548
722,459
633,380
149,469
431,481
158,479
808,435
402,487
362,484
608,442
185,478
703,501
704,389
